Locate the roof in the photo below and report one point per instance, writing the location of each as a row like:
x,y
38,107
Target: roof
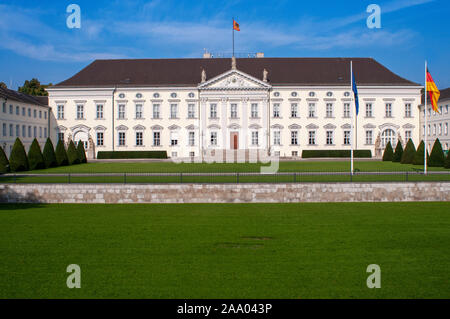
x,y
25,98
445,95
187,72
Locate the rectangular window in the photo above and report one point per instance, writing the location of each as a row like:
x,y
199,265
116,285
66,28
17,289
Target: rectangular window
x,y
156,113
330,138
60,136
312,110
45,132
276,110
213,111
440,109
40,114
4,129
408,110
40,132
446,129
173,111
24,131
60,112
440,129
191,138
99,111
388,110
346,137
446,109
408,136
34,113
29,112
29,131
213,139
121,138
17,130
17,110
255,138
276,138
156,138
45,115
312,138
138,111
11,130
80,112
329,110
434,129
346,110
10,109
233,109
139,139
23,111
254,110
121,111
429,131
99,138
369,137
294,138
294,110
34,132
294,153
369,110
191,111
4,107
173,138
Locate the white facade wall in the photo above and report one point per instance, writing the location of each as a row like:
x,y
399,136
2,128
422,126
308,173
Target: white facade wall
x,y
437,124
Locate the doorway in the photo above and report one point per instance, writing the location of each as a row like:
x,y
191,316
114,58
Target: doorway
x,y
234,140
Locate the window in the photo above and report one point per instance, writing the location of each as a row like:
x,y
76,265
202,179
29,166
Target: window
x,y
446,129
173,111
60,112
276,138
139,95
156,111
29,112
34,132
156,95
276,110
294,94
312,138
346,110
40,132
312,94
23,111
60,136
387,136
34,113
276,94
11,130
40,114
408,135
121,111
294,153
329,110
255,138
440,129
174,138
191,154
369,112
121,138
29,131
294,109
213,111
329,94
138,111
45,132
45,115
4,107
173,95
429,130
434,129
330,138
99,138
156,138
233,109
369,137
347,94
17,110
191,111
440,109
254,110
80,112
191,138
4,129
24,131
10,109
213,138
408,110
446,109
139,139
346,137
191,95
99,111
312,109
122,96
388,110
17,130
294,137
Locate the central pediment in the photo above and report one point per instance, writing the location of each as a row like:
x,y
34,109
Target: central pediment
x,y
234,80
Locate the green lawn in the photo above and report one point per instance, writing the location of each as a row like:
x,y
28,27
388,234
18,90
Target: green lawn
x,y
226,251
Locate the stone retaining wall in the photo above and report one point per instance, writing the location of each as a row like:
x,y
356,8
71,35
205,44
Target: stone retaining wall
x,y
224,193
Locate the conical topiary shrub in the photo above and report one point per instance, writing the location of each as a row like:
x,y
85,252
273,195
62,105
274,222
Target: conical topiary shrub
x,y
4,163
35,158
81,152
418,157
72,154
61,154
18,159
437,158
408,153
398,152
447,160
49,154
388,154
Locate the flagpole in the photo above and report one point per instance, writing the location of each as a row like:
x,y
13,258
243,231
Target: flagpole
x,y
233,36
353,120
426,126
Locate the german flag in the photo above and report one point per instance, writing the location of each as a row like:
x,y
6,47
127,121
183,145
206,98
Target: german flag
x,y
236,26
432,91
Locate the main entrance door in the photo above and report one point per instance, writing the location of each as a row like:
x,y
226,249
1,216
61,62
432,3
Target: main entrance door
x,y
234,140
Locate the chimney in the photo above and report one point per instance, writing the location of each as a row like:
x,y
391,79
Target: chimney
x,y
206,55
260,54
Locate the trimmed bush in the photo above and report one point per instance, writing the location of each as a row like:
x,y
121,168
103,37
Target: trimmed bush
x,y
72,154
49,154
4,163
408,154
447,160
437,158
131,154
388,154
398,152
81,152
35,158
336,153
18,159
61,154
418,157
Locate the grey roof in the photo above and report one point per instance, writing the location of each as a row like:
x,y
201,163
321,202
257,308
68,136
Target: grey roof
x,y
25,98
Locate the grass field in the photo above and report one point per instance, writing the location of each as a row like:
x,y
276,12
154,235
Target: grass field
x,y
226,251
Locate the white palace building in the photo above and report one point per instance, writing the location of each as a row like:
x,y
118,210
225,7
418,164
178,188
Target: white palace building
x,y
188,106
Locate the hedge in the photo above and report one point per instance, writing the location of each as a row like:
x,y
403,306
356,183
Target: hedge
x,y
131,154
72,154
437,158
18,160
388,154
4,163
409,152
81,152
398,153
49,154
61,154
336,153
35,158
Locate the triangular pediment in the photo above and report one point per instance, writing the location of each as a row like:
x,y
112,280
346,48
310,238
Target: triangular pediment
x,y
234,80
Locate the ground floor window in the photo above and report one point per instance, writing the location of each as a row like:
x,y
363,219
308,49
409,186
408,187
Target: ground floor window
x,y
276,138
329,137
369,137
347,138
60,135
255,140
213,139
191,138
294,138
408,136
294,153
121,138
387,136
100,138
156,138
139,139
312,138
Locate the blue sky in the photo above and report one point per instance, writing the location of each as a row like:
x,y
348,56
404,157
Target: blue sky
x,y
35,41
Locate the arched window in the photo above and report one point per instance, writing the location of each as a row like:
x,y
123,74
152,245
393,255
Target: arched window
x,y
388,135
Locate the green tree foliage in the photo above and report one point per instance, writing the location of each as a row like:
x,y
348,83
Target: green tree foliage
x,y
408,153
447,160
49,154
418,157
18,159
437,158
81,152
61,154
398,152
388,154
35,158
4,163
34,87
72,154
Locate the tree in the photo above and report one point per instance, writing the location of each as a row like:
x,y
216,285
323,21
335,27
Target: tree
x,y
437,158
398,152
408,154
81,152
18,159
34,87
61,154
72,154
49,154
4,163
3,85
447,160
35,158
418,157
388,154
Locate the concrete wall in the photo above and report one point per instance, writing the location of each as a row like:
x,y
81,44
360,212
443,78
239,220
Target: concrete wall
x,y
224,193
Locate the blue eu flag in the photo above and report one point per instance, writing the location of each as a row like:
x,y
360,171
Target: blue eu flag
x,y
355,92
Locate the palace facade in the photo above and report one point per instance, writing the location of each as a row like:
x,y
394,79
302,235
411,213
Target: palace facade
x,y
278,105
